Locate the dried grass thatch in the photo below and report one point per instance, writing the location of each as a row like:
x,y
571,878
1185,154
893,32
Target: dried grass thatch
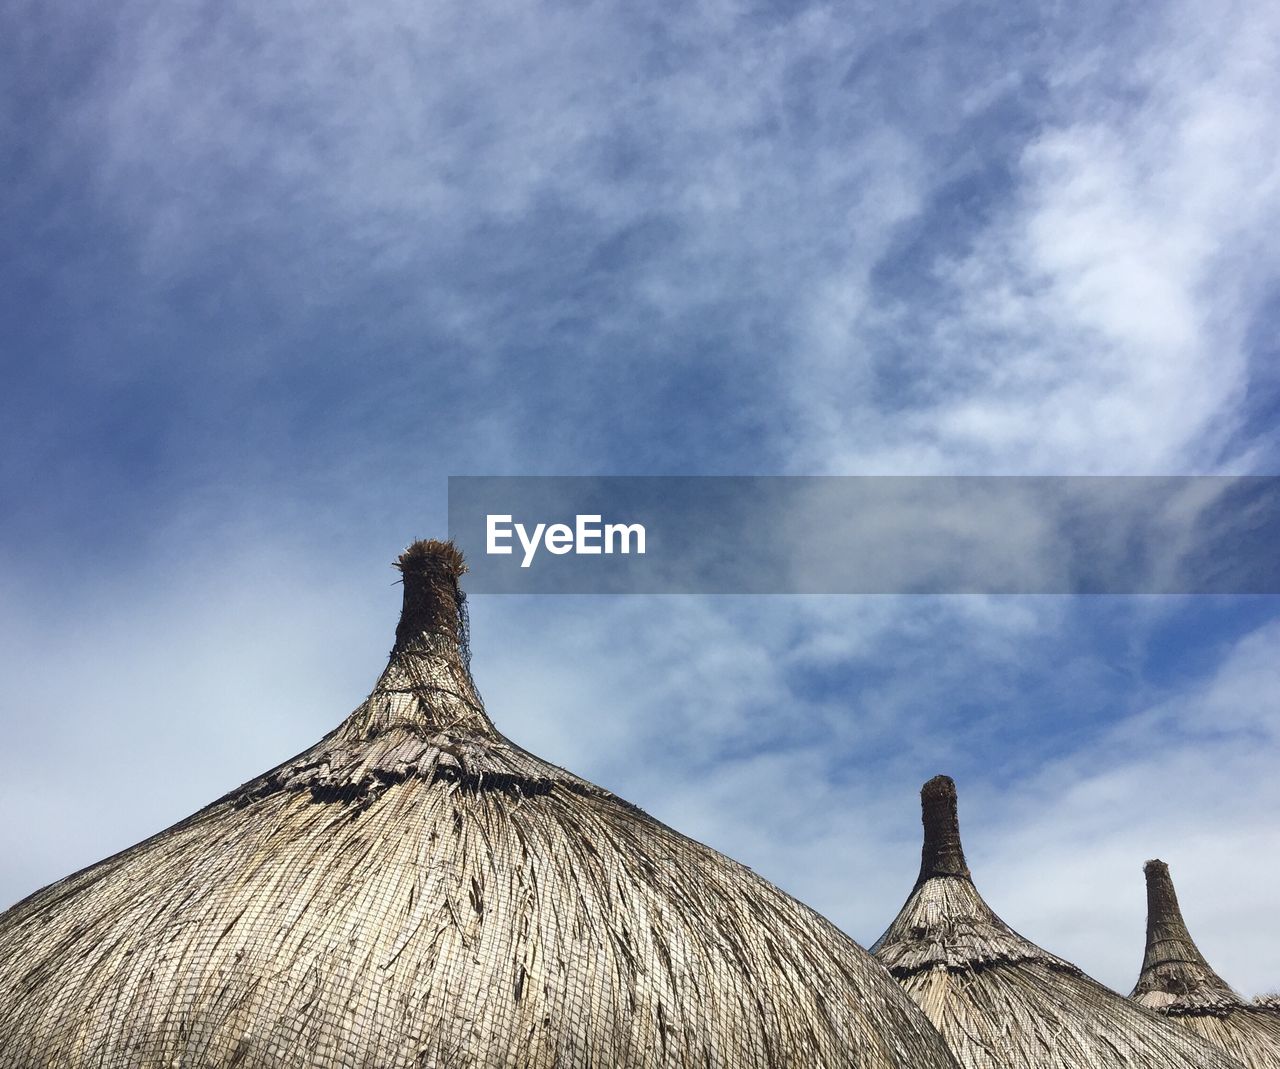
x,y
1000,1001
415,890
1178,982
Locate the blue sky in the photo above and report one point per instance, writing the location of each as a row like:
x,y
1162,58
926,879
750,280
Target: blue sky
x,y
274,273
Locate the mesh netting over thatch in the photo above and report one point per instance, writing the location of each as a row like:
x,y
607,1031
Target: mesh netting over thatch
x,y
416,890
1177,981
1000,1001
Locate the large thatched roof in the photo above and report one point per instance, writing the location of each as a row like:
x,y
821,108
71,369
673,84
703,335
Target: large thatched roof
x,y
415,890
1000,1001
1177,981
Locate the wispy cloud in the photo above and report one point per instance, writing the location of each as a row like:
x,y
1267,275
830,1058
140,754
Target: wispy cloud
x,y
1096,319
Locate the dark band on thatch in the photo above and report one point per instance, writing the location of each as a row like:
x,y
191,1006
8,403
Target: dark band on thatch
x,y
942,854
432,598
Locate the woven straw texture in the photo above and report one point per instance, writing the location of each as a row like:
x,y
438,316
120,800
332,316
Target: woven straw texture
x,y
1177,981
1000,1001
415,890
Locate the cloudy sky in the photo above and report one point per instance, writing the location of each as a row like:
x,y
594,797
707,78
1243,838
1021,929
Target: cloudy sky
x,y
273,272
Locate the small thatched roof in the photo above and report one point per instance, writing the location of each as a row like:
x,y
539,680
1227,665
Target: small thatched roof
x,y
1000,1001
416,891
1177,981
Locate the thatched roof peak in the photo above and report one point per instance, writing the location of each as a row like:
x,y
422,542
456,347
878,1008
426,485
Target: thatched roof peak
x,y
1177,981
945,921
1175,976
427,687
415,889
433,601
1001,1001
429,554
942,853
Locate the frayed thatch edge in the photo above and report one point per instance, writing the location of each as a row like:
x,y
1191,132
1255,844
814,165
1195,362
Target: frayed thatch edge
x,y
431,554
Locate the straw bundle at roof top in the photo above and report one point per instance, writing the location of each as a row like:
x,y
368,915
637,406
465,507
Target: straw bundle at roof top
x,y
1000,1001
415,890
1177,981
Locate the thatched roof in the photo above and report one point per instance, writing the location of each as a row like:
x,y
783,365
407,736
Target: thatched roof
x,y
1177,981
1000,1001
416,890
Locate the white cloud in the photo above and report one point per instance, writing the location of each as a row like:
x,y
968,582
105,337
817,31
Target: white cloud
x,y
1097,323
827,805
128,704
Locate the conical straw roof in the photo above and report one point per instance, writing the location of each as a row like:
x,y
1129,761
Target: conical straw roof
x,y
1177,981
1000,1001
415,890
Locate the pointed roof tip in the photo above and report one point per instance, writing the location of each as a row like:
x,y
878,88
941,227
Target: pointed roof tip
x,y
1162,899
1172,963
433,600
431,554
940,786
942,853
